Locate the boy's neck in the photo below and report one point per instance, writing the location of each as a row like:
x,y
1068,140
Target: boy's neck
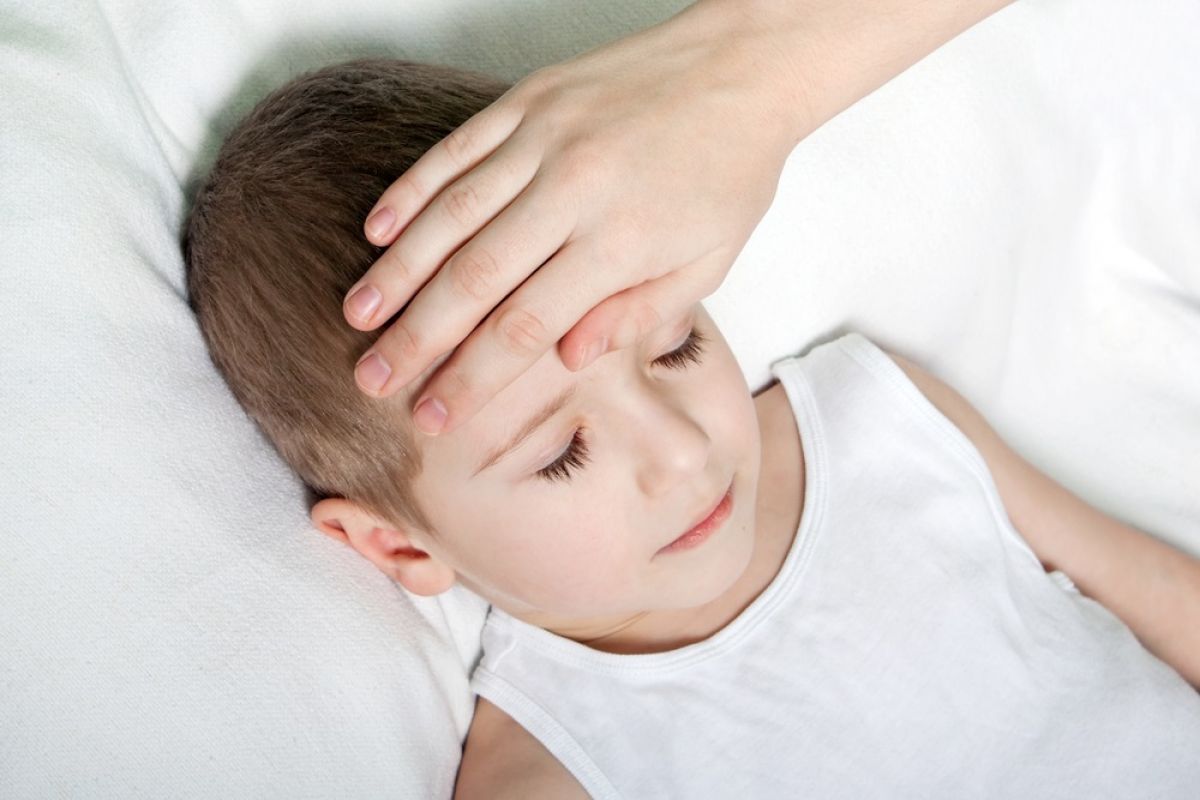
x,y
779,505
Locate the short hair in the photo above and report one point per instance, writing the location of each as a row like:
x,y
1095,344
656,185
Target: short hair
x,y
274,241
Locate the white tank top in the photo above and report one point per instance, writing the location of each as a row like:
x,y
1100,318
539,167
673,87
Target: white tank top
x,y
911,644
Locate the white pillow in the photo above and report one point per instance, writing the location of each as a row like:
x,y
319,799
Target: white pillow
x,y
1017,212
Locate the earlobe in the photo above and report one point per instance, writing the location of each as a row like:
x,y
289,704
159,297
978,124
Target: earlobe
x,y
426,576
413,568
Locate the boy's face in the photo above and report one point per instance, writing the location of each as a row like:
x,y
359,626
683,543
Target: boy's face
x,y
568,546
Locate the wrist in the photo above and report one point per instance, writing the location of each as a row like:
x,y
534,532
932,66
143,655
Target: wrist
x,y
811,59
761,42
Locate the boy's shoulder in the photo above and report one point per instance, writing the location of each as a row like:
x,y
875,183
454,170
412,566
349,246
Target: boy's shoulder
x,y
1027,493
503,760
954,407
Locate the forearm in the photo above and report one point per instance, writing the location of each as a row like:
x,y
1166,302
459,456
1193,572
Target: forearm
x,y
1152,587
831,53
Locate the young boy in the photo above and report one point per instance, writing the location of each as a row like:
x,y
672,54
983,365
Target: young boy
x,y
845,585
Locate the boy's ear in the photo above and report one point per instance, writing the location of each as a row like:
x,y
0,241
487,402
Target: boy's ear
x,y
388,548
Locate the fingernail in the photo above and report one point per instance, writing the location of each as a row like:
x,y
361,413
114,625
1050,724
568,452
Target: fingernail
x,y
430,416
594,351
380,223
372,372
362,304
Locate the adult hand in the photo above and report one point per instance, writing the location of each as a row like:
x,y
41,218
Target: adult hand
x,y
607,194
612,191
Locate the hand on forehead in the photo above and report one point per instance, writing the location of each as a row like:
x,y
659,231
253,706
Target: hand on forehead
x,y
513,237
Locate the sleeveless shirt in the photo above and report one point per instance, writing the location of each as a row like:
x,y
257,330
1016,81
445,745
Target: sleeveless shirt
x,y
910,646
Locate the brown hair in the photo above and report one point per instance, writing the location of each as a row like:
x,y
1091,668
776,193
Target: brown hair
x,y
274,241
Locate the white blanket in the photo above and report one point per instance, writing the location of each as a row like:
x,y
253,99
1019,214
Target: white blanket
x,y
1018,212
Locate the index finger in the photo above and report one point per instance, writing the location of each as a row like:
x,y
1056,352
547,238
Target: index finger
x,y
518,333
457,153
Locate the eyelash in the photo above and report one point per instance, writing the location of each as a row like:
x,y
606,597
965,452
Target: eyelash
x,y
576,455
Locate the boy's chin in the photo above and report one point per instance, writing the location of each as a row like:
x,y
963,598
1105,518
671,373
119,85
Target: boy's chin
x,y
726,566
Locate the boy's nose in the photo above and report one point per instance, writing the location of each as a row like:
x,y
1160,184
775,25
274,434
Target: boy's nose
x,y
673,451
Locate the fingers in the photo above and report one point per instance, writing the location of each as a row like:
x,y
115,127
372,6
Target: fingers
x,y
517,334
458,212
630,315
454,155
464,291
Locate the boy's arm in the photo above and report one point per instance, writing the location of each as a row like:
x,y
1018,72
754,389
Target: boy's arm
x,y
1152,587
503,761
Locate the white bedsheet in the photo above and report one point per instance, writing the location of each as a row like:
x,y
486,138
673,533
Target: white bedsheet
x,y
1018,212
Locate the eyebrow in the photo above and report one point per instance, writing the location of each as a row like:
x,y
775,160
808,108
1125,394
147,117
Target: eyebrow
x,y
532,424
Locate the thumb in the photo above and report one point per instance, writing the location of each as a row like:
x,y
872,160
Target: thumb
x,y
627,316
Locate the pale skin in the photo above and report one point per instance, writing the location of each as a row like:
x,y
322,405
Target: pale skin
x,y
620,508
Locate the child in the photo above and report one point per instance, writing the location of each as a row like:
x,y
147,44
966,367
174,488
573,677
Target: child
x,y
819,590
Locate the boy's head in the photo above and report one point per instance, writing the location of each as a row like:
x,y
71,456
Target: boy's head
x,y
547,532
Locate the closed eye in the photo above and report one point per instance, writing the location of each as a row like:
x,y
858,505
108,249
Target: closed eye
x,y
576,454
687,353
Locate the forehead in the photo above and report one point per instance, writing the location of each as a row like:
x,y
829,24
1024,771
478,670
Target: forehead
x,y
531,390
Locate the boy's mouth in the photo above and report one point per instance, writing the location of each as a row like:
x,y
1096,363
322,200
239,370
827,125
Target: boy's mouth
x,y
703,529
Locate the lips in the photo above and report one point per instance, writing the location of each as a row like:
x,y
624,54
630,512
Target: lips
x,y
712,507
706,525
